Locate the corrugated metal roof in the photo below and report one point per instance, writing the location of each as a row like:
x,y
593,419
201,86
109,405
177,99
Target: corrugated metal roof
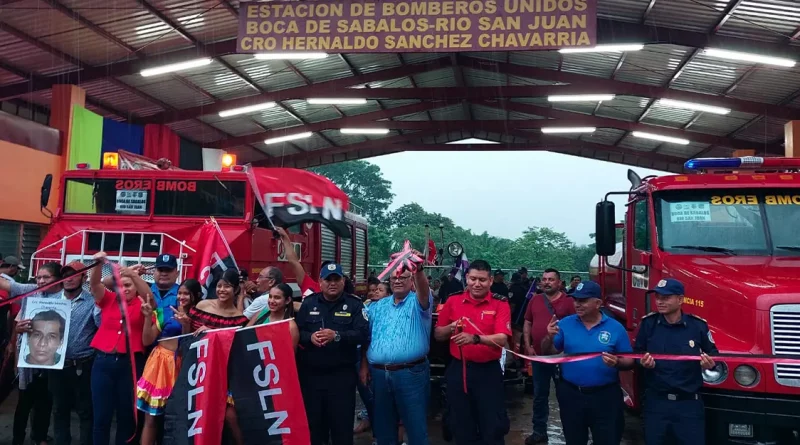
x,y
654,65
718,124
712,75
210,21
769,20
626,108
693,15
768,85
196,131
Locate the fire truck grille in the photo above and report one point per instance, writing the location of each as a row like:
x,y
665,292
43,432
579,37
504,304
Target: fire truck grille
x,y
785,321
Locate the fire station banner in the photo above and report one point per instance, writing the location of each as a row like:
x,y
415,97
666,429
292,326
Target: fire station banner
x,y
398,26
195,411
266,390
292,196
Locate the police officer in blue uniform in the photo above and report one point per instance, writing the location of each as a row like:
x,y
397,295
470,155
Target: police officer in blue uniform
x,y
588,392
672,404
332,325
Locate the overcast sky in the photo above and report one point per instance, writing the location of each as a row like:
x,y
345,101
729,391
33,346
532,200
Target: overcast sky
x,y
506,192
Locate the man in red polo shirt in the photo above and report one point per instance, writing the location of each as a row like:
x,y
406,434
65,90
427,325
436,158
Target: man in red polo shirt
x,y
478,415
541,309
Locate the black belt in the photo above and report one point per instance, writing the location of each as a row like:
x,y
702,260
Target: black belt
x,y
589,389
399,366
673,396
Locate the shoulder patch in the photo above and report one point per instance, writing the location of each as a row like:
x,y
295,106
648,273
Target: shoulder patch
x,y
649,315
499,297
699,318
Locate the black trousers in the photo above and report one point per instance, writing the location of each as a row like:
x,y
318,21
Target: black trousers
x,y
330,400
477,417
35,403
598,409
685,419
72,389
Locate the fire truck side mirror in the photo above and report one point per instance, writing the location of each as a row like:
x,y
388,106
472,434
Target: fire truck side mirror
x,y
605,229
46,185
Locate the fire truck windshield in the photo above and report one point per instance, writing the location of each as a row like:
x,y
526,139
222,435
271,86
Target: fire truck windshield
x,y
728,221
159,197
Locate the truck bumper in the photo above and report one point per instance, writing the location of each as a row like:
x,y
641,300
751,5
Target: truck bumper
x,y
772,418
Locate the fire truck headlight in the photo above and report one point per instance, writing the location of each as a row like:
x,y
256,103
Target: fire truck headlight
x,y
746,375
716,375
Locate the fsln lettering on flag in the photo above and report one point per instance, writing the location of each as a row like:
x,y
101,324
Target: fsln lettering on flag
x,y
266,390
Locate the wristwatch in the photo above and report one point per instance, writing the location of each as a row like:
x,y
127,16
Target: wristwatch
x,y
337,337
476,339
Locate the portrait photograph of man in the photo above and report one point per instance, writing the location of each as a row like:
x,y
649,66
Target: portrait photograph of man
x,y
45,344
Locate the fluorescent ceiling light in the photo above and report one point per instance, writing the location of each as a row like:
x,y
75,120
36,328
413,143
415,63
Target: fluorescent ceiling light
x,y
333,101
581,98
658,137
288,138
473,141
693,106
748,57
364,130
290,56
176,67
247,109
553,130
604,48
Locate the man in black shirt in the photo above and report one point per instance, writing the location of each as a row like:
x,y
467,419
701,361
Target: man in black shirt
x,y
332,325
499,286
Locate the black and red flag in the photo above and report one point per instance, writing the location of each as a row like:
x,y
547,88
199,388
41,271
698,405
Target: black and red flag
x,y
292,196
215,257
195,411
262,376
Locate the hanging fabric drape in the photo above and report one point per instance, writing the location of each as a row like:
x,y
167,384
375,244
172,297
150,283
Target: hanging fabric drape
x,y
84,147
161,142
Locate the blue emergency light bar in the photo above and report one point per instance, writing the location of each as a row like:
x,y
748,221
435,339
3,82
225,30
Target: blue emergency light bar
x,y
747,162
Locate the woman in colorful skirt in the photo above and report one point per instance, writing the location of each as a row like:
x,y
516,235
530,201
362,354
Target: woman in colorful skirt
x,y
221,312
162,366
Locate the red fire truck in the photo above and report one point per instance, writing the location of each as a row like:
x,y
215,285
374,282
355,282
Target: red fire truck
x,y
137,214
730,234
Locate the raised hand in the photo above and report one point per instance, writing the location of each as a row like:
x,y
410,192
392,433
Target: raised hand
x,y
552,327
147,308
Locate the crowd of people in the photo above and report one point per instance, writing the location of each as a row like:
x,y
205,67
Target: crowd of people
x,y
377,348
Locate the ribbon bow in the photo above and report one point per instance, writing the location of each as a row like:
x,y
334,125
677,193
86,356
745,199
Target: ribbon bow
x,y
405,260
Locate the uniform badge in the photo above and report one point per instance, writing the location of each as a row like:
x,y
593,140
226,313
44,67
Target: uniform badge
x,y
344,308
331,267
579,287
662,283
691,343
604,337
364,313
710,338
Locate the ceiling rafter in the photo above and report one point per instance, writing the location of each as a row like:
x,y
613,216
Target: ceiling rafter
x,y
302,91
348,121
571,118
634,89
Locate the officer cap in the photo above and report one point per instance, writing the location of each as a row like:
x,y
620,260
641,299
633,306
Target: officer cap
x,y
587,289
669,286
331,269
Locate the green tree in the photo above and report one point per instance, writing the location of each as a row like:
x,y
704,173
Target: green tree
x,y
369,192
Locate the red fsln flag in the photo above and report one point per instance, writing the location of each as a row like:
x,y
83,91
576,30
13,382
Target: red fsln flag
x,y
292,196
266,389
215,257
195,411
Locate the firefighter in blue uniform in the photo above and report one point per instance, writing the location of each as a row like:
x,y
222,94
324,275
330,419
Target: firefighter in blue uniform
x,y
672,404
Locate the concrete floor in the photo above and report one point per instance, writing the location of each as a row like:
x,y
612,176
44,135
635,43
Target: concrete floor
x,y
519,410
